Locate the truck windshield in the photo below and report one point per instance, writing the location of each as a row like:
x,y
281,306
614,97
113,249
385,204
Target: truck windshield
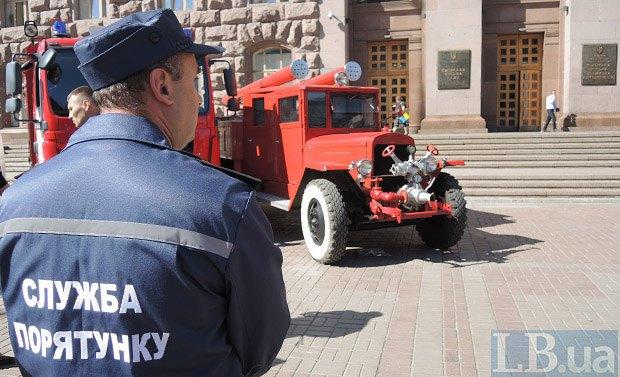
x,y
62,78
353,110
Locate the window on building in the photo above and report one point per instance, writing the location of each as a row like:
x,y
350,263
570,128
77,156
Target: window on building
x,y
14,13
269,60
91,9
289,109
176,4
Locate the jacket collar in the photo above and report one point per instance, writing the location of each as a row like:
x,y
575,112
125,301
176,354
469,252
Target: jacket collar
x,y
122,127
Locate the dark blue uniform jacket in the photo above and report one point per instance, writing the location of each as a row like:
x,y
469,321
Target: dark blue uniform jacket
x,y
121,256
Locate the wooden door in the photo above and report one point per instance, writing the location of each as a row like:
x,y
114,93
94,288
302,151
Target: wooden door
x,y
388,71
519,78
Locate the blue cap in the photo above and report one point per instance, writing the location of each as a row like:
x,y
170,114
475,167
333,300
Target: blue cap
x,y
132,44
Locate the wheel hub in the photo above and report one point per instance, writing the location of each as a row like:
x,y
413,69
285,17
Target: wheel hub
x,y
316,221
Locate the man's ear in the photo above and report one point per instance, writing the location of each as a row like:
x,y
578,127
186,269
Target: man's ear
x,y
160,86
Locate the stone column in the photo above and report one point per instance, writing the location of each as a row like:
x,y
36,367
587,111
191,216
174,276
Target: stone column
x,y
452,25
333,34
595,106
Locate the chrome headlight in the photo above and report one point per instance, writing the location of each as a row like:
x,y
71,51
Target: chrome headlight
x,y
364,167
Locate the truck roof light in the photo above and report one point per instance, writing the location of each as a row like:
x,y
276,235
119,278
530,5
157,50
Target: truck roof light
x,y
59,29
353,70
188,32
30,29
341,79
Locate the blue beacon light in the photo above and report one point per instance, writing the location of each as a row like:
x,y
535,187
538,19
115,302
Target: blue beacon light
x,y
188,33
59,29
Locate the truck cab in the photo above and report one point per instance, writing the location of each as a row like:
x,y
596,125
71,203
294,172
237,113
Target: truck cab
x,y
318,146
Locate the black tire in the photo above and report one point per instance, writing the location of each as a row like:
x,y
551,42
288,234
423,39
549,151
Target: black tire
x,y
443,232
324,221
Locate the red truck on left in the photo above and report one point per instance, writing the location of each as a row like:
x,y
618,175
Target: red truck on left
x,y
47,72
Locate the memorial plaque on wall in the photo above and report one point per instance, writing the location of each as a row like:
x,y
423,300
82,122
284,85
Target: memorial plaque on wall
x,y
598,64
454,69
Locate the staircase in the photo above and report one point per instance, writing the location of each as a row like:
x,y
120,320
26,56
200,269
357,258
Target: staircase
x,y
16,157
533,165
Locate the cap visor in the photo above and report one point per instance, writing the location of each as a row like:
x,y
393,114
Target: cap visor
x,y
202,50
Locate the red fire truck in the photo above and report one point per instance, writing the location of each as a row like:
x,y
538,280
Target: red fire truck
x,y
49,66
318,146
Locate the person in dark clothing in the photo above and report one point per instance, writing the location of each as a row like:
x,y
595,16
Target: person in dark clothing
x,y
3,183
124,256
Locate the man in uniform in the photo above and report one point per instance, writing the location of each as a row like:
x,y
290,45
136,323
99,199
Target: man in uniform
x,y
123,256
81,105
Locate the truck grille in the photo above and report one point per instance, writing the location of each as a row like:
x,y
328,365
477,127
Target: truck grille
x,y
381,165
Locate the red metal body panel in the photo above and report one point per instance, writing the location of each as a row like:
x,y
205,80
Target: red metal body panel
x,y
206,139
335,152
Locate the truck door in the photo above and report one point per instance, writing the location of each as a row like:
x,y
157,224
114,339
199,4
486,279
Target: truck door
x,y
257,157
287,139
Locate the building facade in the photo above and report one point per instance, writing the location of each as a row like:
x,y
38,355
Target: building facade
x,y
461,65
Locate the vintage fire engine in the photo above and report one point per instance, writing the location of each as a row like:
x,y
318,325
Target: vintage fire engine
x,y
49,67
317,145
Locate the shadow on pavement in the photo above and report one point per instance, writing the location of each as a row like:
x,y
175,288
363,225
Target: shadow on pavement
x,y
331,324
398,245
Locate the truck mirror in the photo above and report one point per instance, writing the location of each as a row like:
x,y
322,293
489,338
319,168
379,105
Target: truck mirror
x,y
230,82
13,105
13,79
47,59
232,104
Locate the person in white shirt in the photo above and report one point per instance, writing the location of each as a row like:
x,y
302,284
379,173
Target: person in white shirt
x,y
551,104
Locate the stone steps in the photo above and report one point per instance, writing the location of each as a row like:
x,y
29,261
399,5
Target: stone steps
x,y
16,153
542,192
530,157
521,165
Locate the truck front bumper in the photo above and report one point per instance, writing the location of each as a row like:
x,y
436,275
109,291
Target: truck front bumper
x,y
387,208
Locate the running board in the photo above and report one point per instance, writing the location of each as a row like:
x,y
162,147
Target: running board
x,y
273,200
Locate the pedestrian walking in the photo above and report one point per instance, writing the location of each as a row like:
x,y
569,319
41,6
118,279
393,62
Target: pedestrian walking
x,y
124,256
551,104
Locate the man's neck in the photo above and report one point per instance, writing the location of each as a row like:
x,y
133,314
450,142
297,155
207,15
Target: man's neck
x,y
153,118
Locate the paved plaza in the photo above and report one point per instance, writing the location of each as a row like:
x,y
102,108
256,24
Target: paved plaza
x,y
393,307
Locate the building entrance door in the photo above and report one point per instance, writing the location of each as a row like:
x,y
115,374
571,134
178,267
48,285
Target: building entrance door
x,y
519,80
387,70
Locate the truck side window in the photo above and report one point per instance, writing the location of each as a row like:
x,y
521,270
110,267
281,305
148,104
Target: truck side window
x,y
289,109
317,118
258,105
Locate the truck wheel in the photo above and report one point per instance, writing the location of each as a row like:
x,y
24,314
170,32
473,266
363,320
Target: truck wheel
x,y
442,232
324,221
